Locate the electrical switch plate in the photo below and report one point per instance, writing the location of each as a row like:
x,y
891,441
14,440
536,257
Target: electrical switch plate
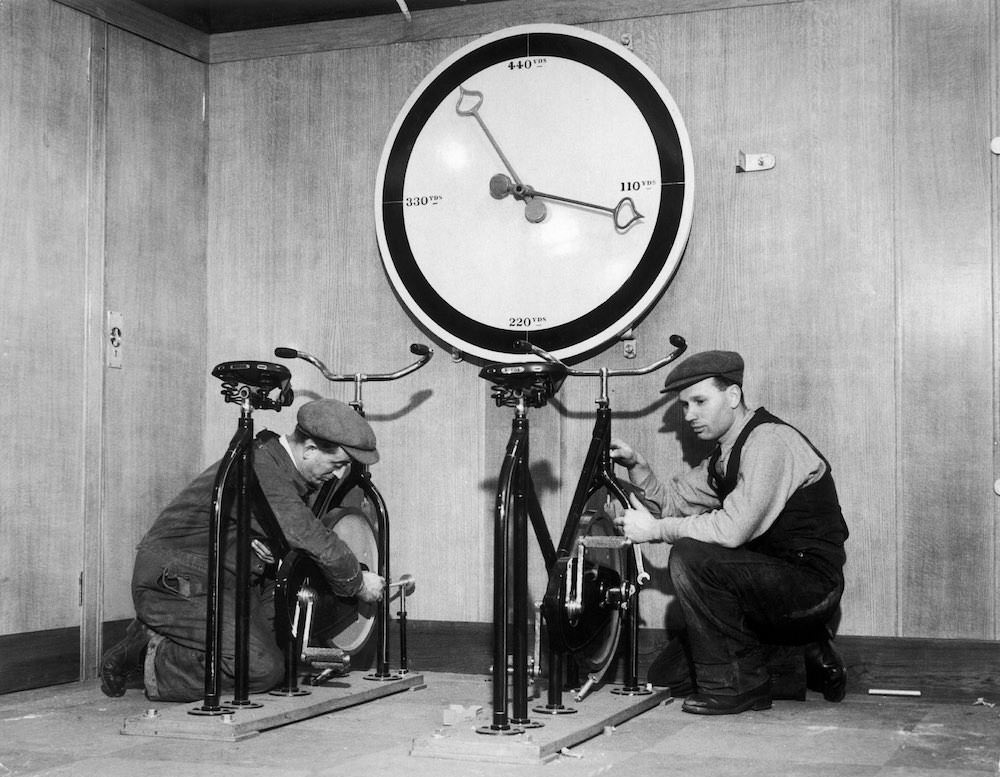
x,y
750,163
113,341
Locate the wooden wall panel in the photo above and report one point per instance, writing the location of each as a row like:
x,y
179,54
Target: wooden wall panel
x,y
92,579
155,276
44,98
293,261
835,371
947,511
443,534
995,176
792,267
855,277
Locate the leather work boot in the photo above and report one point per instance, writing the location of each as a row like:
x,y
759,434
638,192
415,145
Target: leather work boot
x,y
122,663
825,669
706,703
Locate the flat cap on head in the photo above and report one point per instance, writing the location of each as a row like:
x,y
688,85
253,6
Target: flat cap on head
x,y
707,364
333,422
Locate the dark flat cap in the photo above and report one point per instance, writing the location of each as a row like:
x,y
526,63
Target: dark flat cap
x,y
707,364
333,422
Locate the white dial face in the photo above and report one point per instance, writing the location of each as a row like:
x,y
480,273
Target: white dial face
x,y
536,186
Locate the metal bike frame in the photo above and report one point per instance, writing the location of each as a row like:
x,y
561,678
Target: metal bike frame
x,y
237,462
238,455
360,477
516,503
331,496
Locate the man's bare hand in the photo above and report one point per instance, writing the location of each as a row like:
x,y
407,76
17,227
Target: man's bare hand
x,y
624,454
371,587
637,523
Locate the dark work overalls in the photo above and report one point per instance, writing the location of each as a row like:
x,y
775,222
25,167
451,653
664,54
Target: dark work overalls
x,y
780,588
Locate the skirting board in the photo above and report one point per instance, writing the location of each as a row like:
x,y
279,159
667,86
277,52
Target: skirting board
x,y
941,669
37,659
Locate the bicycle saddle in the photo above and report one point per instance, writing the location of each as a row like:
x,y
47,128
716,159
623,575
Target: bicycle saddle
x,y
536,382
253,379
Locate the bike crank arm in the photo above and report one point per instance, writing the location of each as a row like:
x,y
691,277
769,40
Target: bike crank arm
x,y
641,575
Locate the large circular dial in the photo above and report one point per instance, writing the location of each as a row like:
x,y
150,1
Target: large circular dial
x,y
536,185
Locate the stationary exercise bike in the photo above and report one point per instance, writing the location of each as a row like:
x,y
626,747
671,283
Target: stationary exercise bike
x,y
366,531
253,385
594,573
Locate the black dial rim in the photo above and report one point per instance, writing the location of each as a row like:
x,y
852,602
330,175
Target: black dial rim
x,y
668,221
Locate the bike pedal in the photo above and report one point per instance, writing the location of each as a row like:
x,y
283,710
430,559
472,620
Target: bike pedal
x,y
318,656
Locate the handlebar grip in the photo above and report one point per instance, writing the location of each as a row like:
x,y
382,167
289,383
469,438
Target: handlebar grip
x,y
419,349
677,341
286,353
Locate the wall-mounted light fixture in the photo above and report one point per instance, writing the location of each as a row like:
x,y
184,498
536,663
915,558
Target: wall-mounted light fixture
x,y
751,163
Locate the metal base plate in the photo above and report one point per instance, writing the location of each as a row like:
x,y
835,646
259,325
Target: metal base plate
x,y
173,720
595,713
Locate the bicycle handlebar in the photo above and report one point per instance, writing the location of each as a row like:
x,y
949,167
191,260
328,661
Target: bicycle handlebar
x,y
680,345
417,349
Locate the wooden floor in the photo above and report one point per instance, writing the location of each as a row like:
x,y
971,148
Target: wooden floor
x,y
74,730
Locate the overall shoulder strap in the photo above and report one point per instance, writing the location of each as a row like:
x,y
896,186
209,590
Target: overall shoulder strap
x,y
724,485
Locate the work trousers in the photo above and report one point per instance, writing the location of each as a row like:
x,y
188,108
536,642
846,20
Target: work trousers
x,y
741,607
171,596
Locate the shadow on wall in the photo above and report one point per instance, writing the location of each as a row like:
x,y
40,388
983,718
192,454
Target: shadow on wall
x,y
416,400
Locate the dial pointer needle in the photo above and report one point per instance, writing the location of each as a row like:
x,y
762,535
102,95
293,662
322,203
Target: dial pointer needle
x,y
625,206
474,113
624,213
534,211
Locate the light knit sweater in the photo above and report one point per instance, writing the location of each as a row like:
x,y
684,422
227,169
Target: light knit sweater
x,y
776,461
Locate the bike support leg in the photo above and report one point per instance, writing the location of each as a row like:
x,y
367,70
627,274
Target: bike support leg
x,y
296,635
631,685
382,650
403,663
554,696
241,681
512,478
501,721
519,618
238,454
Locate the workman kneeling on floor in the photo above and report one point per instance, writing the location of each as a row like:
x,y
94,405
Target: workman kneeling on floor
x,y
757,552
164,646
